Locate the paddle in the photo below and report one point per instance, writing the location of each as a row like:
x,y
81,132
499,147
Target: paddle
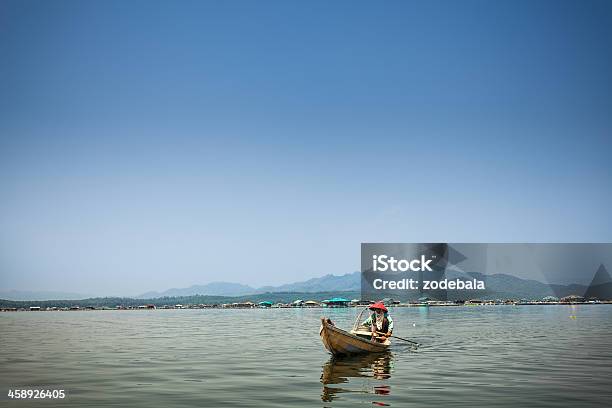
x,y
399,338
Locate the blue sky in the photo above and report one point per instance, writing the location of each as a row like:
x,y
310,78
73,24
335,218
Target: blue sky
x,y
148,145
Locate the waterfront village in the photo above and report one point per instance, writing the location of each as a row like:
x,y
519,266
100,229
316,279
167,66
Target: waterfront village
x,y
330,303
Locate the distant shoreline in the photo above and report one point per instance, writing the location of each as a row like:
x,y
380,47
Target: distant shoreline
x,y
288,299
285,306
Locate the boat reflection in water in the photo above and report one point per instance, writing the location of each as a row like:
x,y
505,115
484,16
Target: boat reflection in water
x,y
340,370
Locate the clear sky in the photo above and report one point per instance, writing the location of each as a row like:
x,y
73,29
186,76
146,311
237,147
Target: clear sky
x,y
147,145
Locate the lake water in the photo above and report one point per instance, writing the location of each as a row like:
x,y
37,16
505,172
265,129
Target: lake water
x,y
514,356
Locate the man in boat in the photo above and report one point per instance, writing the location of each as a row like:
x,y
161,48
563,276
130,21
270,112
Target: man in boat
x,y
380,322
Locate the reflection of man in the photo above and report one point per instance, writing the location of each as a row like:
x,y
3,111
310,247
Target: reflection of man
x,y
380,322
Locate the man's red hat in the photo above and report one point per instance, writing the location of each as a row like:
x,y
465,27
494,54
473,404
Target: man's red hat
x,y
379,305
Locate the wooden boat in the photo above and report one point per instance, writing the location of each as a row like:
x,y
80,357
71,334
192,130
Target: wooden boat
x,y
341,342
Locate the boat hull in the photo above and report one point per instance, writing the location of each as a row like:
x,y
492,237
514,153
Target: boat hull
x,y
340,342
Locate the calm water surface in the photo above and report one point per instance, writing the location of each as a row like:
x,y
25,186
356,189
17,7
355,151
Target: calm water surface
x,y
470,356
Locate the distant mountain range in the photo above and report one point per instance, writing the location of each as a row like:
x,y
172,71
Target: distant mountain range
x,y
346,282
213,288
498,286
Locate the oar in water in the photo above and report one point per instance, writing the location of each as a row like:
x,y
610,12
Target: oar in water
x,y
399,338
